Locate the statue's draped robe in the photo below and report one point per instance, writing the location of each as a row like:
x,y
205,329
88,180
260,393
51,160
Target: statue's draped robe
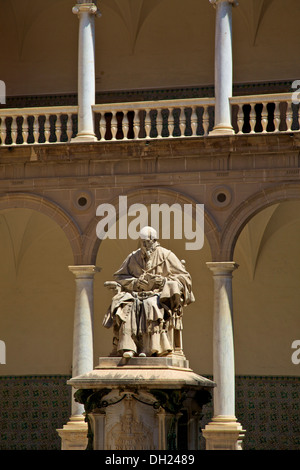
x,y
140,312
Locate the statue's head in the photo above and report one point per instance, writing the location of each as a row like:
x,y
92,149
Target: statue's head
x,y
148,233
148,239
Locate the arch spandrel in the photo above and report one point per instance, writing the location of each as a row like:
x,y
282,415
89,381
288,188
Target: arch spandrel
x,y
47,207
248,209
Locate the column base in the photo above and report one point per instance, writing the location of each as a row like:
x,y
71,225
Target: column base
x,y
74,434
84,138
223,433
222,129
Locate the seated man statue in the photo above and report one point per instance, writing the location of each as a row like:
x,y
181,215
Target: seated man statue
x,y
152,287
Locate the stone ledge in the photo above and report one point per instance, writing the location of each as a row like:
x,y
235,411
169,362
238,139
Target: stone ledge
x,y
171,362
141,372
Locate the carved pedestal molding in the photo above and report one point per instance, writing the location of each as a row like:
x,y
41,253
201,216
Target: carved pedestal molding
x,y
86,13
74,432
223,432
223,66
135,403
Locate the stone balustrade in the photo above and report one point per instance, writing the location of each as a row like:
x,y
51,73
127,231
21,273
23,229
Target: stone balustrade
x,y
265,113
21,126
149,119
154,119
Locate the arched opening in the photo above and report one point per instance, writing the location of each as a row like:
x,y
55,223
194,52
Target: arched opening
x,y
266,322
37,301
266,287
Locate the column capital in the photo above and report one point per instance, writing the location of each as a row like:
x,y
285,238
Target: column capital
x,y
84,271
222,267
86,7
215,2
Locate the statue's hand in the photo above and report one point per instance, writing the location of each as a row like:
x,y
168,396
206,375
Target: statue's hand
x,y
159,281
113,286
141,283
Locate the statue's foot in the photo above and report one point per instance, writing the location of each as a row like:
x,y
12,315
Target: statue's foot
x,y
142,355
128,354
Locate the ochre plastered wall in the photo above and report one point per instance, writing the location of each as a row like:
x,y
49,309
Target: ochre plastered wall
x,y
37,294
157,44
266,292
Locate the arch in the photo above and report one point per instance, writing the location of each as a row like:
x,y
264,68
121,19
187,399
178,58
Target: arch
x,y
91,242
47,207
248,209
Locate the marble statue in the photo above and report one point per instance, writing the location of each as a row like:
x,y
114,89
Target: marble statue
x,y
152,287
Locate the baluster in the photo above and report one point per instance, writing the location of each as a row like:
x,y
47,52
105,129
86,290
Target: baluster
x,y
182,121
240,119
114,125
264,117
69,127
35,129
25,129
159,123
3,130
147,123
277,117
14,130
136,124
47,129
205,120
59,127
252,119
194,121
125,125
102,126
289,116
171,122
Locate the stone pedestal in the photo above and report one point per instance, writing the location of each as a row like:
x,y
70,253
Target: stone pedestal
x,y
224,433
142,403
74,434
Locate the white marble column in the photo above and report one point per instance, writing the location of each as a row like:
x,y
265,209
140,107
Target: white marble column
x,y
74,433
83,357
86,13
223,66
224,432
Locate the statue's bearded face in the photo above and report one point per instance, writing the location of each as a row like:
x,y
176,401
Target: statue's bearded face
x,y
148,246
